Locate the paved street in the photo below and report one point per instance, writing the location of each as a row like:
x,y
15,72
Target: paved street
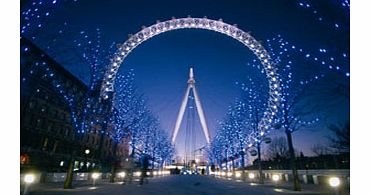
x,y
178,185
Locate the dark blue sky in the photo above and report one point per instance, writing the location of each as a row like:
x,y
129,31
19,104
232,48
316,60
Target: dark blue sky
x,y
161,64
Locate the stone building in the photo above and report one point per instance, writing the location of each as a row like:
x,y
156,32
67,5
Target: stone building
x,y
48,136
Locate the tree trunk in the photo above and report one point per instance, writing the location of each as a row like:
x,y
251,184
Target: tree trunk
x,y
297,185
259,163
243,165
113,173
69,178
232,164
113,166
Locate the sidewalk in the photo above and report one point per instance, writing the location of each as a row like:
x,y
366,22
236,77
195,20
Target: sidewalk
x,y
287,187
176,184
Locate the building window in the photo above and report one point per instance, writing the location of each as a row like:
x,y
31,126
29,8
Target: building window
x,y
27,119
67,132
55,146
68,118
38,123
50,126
32,104
57,129
45,144
76,165
61,116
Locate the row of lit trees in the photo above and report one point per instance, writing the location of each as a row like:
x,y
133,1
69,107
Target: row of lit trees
x,y
134,119
240,123
298,107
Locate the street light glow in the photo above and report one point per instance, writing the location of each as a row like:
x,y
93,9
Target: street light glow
x,y
229,174
122,174
95,175
138,173
251,175
237,175
334,182
29,178
87,151
275,177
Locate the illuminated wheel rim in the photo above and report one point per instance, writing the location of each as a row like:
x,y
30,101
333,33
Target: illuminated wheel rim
x,y
213,25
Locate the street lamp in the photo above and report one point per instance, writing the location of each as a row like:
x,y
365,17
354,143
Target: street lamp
x,y
275,178
122,175
94,177
251,175
255,150
138,173
28,180
87,151
334,182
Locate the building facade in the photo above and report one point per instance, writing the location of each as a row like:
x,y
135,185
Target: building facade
x,y
48,135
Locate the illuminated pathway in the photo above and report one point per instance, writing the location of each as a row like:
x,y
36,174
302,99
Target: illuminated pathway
x,y
180,185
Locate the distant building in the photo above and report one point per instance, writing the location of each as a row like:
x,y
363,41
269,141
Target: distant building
x,y
47,135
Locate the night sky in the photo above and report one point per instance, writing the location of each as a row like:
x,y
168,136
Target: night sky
x,y
161,64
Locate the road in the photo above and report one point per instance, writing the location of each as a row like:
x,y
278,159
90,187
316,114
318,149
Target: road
x,y
177,185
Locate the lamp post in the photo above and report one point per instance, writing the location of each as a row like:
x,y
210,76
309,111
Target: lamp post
x,y
256,151
122,175
238,175
334,182
275,178
28,180
94,177
251,176
87,151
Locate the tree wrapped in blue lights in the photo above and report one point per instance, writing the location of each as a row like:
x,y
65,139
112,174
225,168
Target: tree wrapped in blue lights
x,y
135,120
240,125
298,108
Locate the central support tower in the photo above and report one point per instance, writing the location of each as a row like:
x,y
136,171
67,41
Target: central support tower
x,y
191,86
